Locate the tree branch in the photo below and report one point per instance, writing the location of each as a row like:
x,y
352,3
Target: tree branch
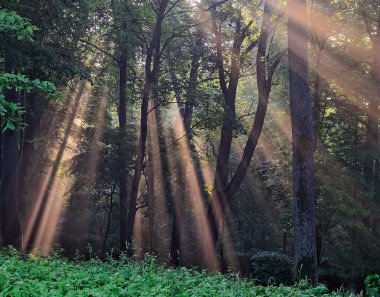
x,y
100,50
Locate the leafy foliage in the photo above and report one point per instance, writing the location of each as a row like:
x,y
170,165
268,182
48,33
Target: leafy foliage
x,y
12,24
372,283
11,113
43,276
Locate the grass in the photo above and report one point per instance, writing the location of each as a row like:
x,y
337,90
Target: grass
x,y
55,276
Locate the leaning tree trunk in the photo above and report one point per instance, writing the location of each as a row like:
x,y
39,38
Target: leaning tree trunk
x,y
305,258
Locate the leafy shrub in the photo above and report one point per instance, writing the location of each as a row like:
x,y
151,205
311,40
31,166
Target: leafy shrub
x,y
372,284
272,267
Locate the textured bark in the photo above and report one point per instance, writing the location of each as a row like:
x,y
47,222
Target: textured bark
x,y
122,113
317,131
305,260
151,71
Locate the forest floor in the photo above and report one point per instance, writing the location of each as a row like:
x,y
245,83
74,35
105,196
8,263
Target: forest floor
x,y
56,276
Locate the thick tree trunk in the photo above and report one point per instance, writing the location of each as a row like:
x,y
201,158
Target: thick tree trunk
x,y
9,188
317,102
305,258
317,139
122,113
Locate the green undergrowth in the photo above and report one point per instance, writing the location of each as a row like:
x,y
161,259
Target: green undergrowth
x,y
55,276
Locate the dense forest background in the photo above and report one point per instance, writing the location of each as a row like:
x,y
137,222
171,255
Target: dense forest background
x,y
164,127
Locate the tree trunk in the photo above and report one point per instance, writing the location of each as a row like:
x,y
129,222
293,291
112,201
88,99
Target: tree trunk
x,y
9,188
317,102
190,94
108,223
122,113
221,172
305,259
178,204
151,197
371,163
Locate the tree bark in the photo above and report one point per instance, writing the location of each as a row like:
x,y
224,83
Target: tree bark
x,y
305,258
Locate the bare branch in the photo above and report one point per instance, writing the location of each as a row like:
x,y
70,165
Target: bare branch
x,y
100,50
171,8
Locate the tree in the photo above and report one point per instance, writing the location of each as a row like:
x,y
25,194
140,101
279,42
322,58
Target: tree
x,y
371,164
305,258
152,63
14,29
224,190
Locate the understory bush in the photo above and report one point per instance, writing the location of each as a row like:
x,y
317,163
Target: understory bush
x,y
372,283
54,276
272,267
